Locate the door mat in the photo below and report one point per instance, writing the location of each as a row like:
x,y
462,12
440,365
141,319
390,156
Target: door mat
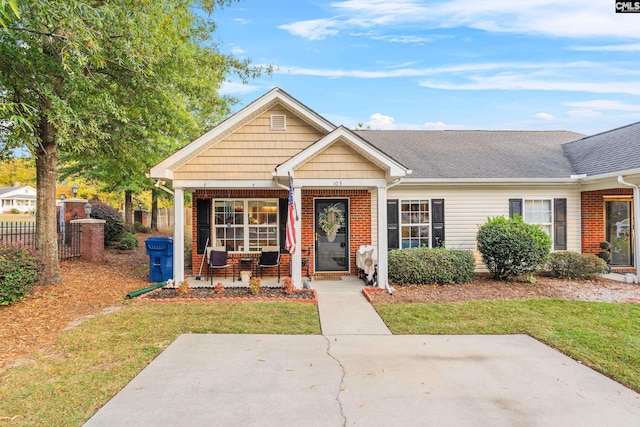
x,y
328,278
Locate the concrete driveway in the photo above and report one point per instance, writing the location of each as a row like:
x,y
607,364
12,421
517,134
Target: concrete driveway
x,y
367,380
358,374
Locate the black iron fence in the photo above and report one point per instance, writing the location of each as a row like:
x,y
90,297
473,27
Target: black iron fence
x,y
24,233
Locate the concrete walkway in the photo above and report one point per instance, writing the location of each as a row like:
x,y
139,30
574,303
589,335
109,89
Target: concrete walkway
x,y
344,310
356,373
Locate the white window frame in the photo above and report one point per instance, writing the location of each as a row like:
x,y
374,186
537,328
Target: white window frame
x,y
546,226
246,226
404,225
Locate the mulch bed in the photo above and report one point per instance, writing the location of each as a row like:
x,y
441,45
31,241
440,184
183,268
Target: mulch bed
x,y
230,294
483,287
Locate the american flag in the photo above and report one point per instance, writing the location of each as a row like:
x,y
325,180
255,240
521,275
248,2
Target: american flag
x,y
290,244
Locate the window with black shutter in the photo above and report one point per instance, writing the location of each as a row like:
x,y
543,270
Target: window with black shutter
x,y
515,207
560,224
203,223
393,228
437,223
283,213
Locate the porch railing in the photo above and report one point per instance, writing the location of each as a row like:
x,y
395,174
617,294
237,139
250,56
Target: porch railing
x,y
24,233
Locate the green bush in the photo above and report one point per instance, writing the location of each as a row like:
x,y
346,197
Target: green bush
x,y
574,265
511,247
19,273
14,211
114,226
426,266
128,241
140,228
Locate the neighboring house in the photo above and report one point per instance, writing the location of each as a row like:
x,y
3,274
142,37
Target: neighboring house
x,y
21,198
395,189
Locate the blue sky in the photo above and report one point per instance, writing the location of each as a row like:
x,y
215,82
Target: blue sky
x,y
457,64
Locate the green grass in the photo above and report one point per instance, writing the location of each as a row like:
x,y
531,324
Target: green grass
x,y
91,363
603,336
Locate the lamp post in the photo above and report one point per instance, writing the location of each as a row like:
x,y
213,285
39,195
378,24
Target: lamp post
x,y
87,209
74,188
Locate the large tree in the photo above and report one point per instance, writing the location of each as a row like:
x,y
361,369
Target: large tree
x,y
91,76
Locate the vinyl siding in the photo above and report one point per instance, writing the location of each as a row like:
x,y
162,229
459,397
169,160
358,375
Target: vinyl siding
x,y
468,207
253,151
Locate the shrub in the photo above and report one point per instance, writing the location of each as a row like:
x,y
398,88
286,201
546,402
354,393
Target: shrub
x,y
574,265
128,241
254,286
19,273
140,228
14,211
511,247
287,285
114,226
425,266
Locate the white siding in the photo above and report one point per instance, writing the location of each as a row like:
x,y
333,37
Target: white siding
x,y
468,207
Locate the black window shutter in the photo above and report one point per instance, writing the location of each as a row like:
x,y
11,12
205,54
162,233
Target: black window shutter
x,y
203,223
393,226
283,213
560,224
515,207
437,223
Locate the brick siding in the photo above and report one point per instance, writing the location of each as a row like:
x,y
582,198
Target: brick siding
x,y
359,221
593,217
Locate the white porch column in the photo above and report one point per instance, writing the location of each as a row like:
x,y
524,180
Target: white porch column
x,y
296,259
382,238
178,235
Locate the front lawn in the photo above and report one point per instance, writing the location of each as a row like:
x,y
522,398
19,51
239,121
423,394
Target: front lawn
x,y
91,363
603,336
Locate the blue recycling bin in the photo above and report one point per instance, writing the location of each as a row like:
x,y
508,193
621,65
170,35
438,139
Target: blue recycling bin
x,y
160,251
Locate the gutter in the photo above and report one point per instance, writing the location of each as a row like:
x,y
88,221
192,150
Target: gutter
x,y
160,184
636,221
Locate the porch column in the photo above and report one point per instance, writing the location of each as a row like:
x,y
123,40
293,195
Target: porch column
x,y
382,238
296,259
178,236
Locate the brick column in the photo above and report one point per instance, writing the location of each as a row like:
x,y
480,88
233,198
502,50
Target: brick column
x,y
91,239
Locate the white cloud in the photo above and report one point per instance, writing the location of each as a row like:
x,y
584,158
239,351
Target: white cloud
x,y
545,116
604,104
538,17
584,113
314,29
381,122
435,126
632,47
532,82
238,88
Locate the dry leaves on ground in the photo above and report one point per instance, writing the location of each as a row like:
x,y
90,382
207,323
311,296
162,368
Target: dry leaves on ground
x,y
35,323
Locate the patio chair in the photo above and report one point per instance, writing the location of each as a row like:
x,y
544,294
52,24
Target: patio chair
x,y
269,257
218,258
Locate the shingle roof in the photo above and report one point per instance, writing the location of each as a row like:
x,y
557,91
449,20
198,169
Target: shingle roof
x,y
611,151
477,154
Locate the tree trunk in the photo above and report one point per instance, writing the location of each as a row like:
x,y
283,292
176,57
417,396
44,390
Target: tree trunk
x,y
154,210
128,209
46,154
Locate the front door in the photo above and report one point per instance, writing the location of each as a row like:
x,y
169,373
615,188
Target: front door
x,y
332,229
619,231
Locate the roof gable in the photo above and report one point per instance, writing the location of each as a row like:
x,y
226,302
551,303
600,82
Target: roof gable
x,y
342,135
165,169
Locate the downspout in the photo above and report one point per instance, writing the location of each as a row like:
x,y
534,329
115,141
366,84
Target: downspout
x,y
636,221
386,284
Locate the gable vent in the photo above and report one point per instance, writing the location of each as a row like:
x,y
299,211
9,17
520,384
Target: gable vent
x,y
278,122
